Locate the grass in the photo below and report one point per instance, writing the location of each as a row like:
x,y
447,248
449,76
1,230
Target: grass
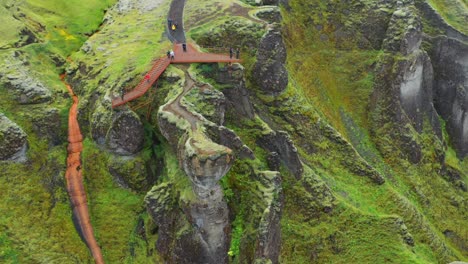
x,y
332,79
114,211
119,55
454,12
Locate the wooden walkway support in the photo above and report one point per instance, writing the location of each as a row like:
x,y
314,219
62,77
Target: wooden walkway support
x,y
192,55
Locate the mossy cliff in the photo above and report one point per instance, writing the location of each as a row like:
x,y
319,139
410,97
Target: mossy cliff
x,y
341,138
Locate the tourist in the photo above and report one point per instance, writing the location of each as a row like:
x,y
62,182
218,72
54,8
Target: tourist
x,y
184,47
172,55
169,22
147,78
237,53
168,53
122,93
231,51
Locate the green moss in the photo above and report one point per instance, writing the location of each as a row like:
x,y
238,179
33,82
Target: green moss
x,y
114,211
454,12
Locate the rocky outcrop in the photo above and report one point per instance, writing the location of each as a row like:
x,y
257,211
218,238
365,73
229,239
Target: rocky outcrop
x,y
126,134
226,137
161,204
270,73
13,141
234,31
268,244
236,93
46,125
132,172
204,157
270,14
280,142
436,20
405,234
404,33
17,77
450,60
207,101
318,197
266,201
403,86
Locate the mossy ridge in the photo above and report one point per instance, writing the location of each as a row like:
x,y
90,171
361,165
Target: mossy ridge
x,y
100,67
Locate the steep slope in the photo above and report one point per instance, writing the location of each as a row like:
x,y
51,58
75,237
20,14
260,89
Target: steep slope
x,y
340,138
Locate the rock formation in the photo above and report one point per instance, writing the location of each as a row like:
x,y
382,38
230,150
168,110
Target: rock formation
x,y
271,74
450,61
13,141
404,88
279,142
204,162
16,77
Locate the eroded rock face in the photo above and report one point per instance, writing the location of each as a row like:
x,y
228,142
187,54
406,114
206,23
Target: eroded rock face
x,y
126,135
404,87
237,95
319,197
207,101
270,73
270,15
280,142
209,217
17,77
226,137
13,141
205,159
268,244
450,61
47,125
204,166
161,206
404,33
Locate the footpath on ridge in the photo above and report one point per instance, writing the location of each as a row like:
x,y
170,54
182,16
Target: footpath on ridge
x,y
191,55
73,175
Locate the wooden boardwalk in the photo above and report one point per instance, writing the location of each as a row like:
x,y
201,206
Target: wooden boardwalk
x,y
192,55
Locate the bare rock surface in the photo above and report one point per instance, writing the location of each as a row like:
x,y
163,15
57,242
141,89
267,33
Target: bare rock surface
x,y
450,60
280,142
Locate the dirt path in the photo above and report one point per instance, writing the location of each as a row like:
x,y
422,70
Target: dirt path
x,y
74,179
177,109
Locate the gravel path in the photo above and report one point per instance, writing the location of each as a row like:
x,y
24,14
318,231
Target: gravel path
x,y
177,109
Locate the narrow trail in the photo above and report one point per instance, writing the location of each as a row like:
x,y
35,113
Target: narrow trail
x,y
74,179
176,108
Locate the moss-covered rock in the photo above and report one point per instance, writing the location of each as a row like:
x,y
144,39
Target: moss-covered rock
x,y
271,75
229,32
126,135
13,141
